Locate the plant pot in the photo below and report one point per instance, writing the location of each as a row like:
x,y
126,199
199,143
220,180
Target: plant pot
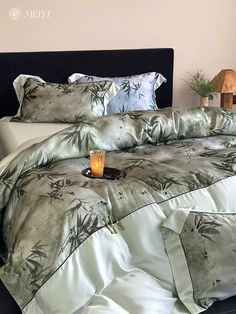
x,y
204,101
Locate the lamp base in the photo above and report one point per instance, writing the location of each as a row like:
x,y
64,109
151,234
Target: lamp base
x,y
226,101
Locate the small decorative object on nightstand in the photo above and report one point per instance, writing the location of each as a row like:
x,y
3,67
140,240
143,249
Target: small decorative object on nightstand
x,y
202,86
225,83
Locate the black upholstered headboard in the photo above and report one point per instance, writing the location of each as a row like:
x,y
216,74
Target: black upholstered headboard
x,y
56,66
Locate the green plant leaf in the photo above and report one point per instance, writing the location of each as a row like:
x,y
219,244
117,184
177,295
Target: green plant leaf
x,y
200,85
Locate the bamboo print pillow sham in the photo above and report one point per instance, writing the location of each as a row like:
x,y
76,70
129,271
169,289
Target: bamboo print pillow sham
x,y
202,251
137,92
18,85
52,102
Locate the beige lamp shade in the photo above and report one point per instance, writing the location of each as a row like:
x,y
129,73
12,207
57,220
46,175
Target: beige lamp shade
x,y
225,81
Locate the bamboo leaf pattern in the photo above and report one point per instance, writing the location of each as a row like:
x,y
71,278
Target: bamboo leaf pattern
x,y
52,102
83,227
77,136
97,93
31,93
204,178
209,153
206,237
79,204
34,264
123,108
160,183
6,177
21,185
198,180
134,163
126,86
204,227
151,126
227,114
230,157
49,189
224,166
137,92
64,89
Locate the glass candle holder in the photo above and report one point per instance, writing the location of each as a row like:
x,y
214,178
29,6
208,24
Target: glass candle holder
x,y
97,161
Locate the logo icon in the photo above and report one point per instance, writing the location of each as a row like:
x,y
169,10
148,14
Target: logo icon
x,y
14,13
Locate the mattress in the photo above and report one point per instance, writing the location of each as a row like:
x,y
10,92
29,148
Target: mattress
x,y
14,134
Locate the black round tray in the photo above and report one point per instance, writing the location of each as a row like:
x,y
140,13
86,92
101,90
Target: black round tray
x,y
108,173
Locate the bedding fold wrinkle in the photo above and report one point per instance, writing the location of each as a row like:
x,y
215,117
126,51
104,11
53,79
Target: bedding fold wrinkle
x,y
56,209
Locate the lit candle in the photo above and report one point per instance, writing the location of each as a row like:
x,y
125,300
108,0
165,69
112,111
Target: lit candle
x,y
97,160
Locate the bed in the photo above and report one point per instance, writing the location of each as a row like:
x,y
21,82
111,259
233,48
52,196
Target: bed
x,y
72,244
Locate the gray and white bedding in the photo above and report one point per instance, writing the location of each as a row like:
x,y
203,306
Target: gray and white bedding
x,y
78,245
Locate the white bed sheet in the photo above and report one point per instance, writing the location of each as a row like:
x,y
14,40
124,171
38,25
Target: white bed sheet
x,y
14,134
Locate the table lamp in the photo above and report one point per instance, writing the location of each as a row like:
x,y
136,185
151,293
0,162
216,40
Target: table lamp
x,y
225,83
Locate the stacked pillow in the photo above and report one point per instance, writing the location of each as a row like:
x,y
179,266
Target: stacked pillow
x,y
137,92
84,96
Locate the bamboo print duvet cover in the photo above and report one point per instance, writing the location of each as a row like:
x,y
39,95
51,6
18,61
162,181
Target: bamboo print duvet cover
x,y
74,245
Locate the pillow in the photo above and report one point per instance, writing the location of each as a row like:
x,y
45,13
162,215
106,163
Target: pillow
x,y
202,251
18,84
137,92
52,102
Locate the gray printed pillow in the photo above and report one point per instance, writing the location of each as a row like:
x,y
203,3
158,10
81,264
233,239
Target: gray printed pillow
x,y
202,251
52,102
137,92
18,85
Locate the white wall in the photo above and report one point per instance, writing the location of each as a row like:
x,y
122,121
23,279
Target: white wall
x,y
202,32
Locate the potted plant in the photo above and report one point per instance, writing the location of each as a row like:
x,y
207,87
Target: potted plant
x,y
202,86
